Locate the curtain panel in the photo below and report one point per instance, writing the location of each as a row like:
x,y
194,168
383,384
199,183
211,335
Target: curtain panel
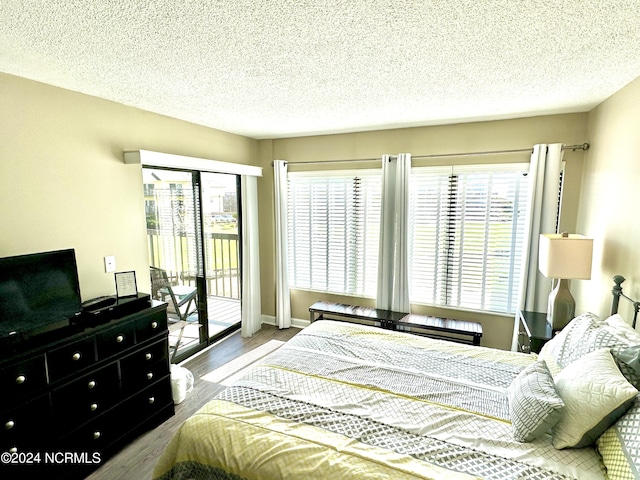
x,y
393,267
283,296
543,217
544,210
251,307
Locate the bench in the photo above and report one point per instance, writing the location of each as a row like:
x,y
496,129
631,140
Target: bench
x,y
435,327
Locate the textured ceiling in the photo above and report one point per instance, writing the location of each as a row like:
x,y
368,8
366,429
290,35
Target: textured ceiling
x,y
281,68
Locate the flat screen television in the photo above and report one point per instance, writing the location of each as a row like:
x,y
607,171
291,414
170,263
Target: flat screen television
x,y
38,292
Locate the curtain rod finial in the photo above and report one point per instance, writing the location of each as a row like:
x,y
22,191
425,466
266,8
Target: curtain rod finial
x,y
584,146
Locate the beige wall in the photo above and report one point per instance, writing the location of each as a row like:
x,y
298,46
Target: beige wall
x,y
469,137
608,207
63,183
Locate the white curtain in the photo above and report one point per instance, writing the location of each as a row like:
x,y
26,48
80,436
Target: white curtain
x,y
251,307
544,175
393,267
283,297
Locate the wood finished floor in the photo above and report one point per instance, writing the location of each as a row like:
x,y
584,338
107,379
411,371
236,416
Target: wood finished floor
x,y
137,460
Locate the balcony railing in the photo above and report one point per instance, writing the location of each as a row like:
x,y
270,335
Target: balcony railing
x,y
177,255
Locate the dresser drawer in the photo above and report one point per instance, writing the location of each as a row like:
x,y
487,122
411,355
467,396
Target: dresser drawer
x,y
66,361
145,366
26,425
85,398
95,435
148,402
151,325
22,378
116,339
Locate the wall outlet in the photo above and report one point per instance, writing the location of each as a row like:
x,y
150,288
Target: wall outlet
x,y
110,264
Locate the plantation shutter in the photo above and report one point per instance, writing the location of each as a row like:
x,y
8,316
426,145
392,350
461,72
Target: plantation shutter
x,y
333,231
467,234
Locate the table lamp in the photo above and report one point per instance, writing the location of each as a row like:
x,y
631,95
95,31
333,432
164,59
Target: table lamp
x,y
563,256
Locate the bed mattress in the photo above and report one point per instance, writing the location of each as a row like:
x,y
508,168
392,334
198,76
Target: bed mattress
x,y
344,400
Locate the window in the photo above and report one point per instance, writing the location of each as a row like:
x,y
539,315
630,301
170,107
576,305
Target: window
x,y
334,227
467,235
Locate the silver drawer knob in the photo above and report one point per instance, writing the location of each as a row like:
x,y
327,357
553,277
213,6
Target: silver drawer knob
x,y
91,384
147,356
93,407
76,356
154,325
149,376
21,379
151,400
120,338
96,435
9,425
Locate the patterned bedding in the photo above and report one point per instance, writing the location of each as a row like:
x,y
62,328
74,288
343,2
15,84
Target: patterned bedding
x,y
345,401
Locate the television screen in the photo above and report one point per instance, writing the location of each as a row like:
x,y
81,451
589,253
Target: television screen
x,y
38,290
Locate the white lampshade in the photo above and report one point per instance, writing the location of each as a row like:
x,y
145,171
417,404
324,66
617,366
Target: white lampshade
x,y
565,256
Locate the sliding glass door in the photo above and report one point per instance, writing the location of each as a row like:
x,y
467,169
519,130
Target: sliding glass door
x,y
221,214
194,254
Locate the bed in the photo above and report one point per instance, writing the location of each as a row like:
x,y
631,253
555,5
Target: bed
x,y
349,401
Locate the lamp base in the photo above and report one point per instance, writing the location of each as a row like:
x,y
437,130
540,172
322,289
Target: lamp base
x,y
562,307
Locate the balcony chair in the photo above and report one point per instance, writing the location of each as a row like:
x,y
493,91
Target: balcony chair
x,y
181,300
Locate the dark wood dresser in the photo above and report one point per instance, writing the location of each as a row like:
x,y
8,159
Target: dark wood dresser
x,y
72,398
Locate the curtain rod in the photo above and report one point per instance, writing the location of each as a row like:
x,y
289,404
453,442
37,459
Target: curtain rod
x,y
584,146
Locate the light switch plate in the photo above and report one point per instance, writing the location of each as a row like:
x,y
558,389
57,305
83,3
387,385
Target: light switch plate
x,y
110,264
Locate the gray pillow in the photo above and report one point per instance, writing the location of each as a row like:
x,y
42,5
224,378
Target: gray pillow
x,y
534,405
629,363
620,445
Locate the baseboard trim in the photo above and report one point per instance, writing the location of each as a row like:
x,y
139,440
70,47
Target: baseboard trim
x,y
295,322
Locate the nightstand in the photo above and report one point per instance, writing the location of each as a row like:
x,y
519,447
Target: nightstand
x,y
534,331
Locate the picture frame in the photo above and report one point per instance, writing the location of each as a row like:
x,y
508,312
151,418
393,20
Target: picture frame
x,y
126,285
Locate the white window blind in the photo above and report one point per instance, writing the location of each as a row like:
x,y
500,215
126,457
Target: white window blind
x,y
467,235
334,227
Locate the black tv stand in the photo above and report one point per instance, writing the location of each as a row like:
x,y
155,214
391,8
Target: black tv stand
x,y
77,395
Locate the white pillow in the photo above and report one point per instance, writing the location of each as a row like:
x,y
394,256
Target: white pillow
x,y
622,328
595,395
